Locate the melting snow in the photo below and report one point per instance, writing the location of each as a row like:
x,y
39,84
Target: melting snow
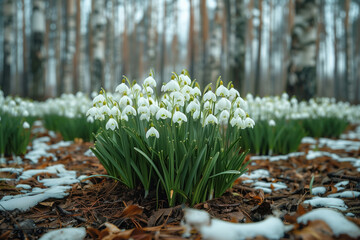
x,y
327,202
278,157
214,229
277,186
24,202
342,183
346,145
318,190
346,194
89,153
65,233
336,221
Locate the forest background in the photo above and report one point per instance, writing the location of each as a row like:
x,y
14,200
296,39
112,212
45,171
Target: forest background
x,y
308,48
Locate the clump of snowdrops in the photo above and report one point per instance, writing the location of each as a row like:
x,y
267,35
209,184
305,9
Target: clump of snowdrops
x,y
67,115
184,144
15,124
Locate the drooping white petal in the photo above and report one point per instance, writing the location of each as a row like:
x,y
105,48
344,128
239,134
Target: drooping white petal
x,y
152,132
111,124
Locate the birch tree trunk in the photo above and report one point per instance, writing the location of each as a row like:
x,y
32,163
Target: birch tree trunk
x,y
302,69
8,12
98,24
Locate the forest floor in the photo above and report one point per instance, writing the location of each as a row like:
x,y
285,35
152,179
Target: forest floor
x,y
273,185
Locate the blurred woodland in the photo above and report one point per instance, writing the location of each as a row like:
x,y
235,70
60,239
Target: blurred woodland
x,y
304,47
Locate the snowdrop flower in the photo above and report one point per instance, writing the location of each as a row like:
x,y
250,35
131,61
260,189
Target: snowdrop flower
x,y
148,91
186,91
224,116
152,132
144,110
154,108
179,117
114,111
222,104
143,102
239,112
195,92
193,106
233,93
178,98
26,125
145,116
112,124
222,91
272,122
163,114
105,110
123,89
207,105
90,119
136,89
92,112
197,114
124,117
129,110
249,122
99,99
149,82
210,119
184,80
237,121
171,86
209,95
124,101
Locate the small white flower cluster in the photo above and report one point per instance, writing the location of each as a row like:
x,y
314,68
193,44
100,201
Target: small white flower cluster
x,y
181,99
67,105
268,108
17,106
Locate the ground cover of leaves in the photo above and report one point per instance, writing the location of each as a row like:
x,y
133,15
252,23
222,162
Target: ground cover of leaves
x,y
105,207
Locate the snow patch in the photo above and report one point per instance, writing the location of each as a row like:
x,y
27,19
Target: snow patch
x,y
346,194
327,202
336,221
318,190
214,229
65,233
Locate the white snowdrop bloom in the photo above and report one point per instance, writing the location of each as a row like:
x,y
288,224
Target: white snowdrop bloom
x,y
136,89
148,91
272,122
92,112
171,86
186,91
179,117
124,101
238,122
249,122
178,98
114,111
129,110
240,103
122,89
112,124
145,116
105,110
25,113
123,116
99,99
222,91
233,94
26,125
196,114
195,92
222,104
224,116
152,132
143,110
209,95
149,82
207,105
184,80
285,96
211,119
193,106
154,108
143,102
90,119
163,114
239,112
